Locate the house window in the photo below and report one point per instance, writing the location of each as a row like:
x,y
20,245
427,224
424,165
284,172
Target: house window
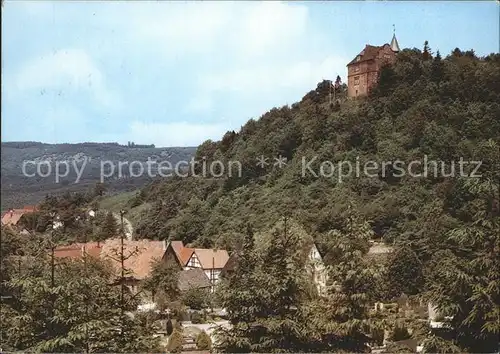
x,y
356,80
356,69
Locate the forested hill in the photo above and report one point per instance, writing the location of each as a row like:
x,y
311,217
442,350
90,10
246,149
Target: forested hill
x,y
445,108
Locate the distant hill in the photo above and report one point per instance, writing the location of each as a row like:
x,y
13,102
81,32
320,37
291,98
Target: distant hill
x,y
19,189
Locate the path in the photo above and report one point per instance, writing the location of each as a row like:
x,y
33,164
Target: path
x,y
127,225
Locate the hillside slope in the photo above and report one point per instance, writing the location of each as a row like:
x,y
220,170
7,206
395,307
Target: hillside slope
x,y
445,109
19,190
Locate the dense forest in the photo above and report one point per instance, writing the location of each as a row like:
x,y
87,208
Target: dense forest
x,y
445,109
444,228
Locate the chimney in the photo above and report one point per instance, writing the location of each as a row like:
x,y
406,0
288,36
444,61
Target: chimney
x,y
11,211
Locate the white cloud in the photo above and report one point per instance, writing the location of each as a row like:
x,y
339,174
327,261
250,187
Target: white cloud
x,y
256,80
68,69
270,26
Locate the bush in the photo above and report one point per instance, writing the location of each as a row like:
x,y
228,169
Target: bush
x,y
175,342
197,317
169,327
400,332
203,341
195,299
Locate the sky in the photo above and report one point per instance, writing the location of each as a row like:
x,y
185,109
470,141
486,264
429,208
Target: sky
x,y
178,73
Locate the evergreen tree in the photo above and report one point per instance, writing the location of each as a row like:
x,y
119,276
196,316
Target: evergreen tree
x,y
437,69
69,323
284,278
463,280
404,273
239,295
426,53
175,342
163,281
341,319
109,228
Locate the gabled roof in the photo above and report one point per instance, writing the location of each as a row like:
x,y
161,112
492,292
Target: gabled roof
x,y
369,53
76,250
211,258
183,254
208,258
193,278
140,255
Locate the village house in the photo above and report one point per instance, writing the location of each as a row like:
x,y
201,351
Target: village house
x,y
363,71
139,257
211,261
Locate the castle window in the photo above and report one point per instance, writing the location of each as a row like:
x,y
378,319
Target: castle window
x,y
356,69
356,80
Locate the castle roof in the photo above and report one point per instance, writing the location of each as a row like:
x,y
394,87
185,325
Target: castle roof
x,y
394,44
369,53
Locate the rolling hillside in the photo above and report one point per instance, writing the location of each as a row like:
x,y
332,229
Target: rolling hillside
x,y
19,189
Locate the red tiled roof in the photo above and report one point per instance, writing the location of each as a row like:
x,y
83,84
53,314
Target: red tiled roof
x,y
207,257
369,53
211,258
140,255
75,250
185,255
12,216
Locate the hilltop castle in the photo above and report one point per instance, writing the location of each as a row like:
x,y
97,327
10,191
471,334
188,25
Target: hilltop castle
x,y
363,70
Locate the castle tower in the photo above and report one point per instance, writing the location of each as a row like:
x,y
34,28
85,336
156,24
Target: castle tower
x,y
394,41
363,70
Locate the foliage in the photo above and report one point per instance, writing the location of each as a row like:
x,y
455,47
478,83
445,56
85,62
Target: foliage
x,y
342,318
195,298
400,332
197,317
175,342
404,273
163,282
264,295
203,341
74,309
463,280
109,228
169,327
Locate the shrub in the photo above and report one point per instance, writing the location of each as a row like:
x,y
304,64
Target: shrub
x,y
175,342
195,298
169,327
400,332
197,317
203,341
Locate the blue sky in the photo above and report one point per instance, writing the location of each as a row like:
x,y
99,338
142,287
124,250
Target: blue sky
x,y
178,73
